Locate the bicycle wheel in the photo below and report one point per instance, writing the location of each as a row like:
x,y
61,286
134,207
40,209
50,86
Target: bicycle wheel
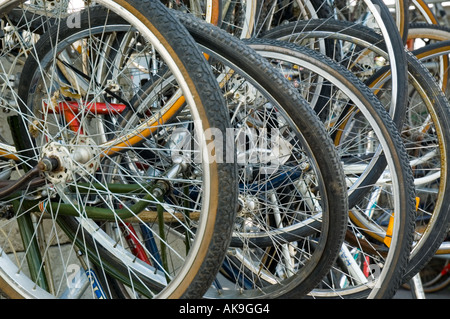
x,y
429,230
432,56
120,196
355,58
425,135
293,208
351,117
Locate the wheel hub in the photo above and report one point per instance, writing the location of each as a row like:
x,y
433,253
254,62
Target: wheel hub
x,y
248,205
78,158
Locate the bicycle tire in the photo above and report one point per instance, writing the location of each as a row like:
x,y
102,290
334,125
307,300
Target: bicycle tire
x,y
433,232
364,35
312,60
240,59
154,20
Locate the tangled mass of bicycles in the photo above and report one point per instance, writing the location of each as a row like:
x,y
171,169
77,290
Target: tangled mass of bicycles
x,y
222,149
